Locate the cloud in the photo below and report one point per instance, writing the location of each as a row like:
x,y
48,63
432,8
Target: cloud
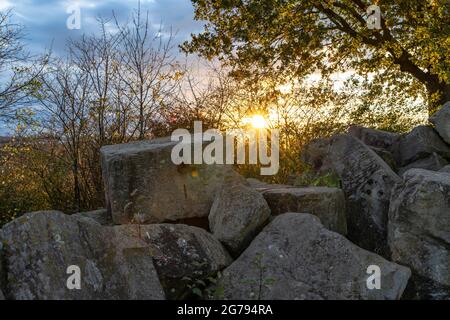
x,y
45,20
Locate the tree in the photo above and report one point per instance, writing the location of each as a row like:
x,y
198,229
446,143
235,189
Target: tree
x,y
18,71
298,38
148,69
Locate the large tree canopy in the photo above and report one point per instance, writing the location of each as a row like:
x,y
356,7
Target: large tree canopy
x,y
410,52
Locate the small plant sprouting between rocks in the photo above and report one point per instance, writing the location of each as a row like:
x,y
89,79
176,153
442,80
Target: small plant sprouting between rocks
x,y
309,178
208,288
261,281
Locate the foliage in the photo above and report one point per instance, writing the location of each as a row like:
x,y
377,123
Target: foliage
x,y
33,177
408,57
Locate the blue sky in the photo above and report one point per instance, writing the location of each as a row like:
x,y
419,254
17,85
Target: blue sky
x,y
44,21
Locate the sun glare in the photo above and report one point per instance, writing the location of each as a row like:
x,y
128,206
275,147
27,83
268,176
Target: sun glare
x,y
256,121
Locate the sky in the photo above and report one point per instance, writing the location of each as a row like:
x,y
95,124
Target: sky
x,y
45,21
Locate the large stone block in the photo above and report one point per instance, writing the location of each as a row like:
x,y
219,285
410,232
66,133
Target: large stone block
x,y
367,182
441,121
295,257
39,248
237,215
374,138
328,204
143,185
419,231
420,143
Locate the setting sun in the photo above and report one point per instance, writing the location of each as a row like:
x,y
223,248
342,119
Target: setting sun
x,y
256,121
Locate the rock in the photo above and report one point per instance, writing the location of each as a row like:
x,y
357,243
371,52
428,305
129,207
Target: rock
x,y
39,248
420,143
445,169
433,162
182,254
441,121
374,138
328,204
295,257
99,216
255,183
237,215
367,182
2,297
142,184
387,157
419,230
315,154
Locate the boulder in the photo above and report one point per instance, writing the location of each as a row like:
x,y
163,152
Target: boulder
x,y
441,121
39,250
142,184
328,204
433,162
237,215
99,216
255,183
420,143
419,231
374,138
295,257
367,182
387,157
445,169
315,154
183,255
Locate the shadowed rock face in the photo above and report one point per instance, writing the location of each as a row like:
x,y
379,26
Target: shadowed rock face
x,y
182,254
120,262
143,185
420,143
295,257
100,216
419,230
433,162
367,182
39,247
328,204
441,121
374,138
237,215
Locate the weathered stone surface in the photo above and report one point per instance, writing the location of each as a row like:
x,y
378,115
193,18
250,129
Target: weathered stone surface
x,y
445,169
441,121
433,162
237,215
295,257
100,216
315,154
182,254
419,230
367,182
255,183
374,138
39,247
387,157
143,185
420,143
328,204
